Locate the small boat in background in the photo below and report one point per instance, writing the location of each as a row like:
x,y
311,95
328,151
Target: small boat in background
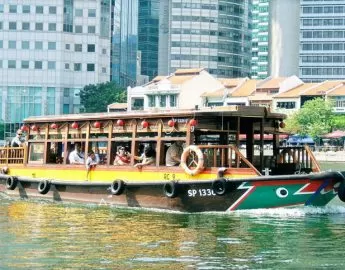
x,y
219,170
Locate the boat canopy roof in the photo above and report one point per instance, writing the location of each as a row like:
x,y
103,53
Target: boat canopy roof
x,y
226,111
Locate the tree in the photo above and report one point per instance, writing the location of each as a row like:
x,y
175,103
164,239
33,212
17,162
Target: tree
x,y
315,118
96,98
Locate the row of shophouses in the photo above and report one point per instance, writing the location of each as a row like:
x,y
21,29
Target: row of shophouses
x,y
196,88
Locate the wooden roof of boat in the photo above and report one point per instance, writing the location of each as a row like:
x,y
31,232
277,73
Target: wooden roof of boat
x,y
241,111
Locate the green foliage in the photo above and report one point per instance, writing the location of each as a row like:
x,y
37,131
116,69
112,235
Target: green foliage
x,y
339,122
96,98
315,118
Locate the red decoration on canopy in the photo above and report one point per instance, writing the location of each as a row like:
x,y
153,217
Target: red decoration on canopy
x,y
120,122
75,125
145,124
193,122
282,124
171,123
97,124
24,128
34,127
53,126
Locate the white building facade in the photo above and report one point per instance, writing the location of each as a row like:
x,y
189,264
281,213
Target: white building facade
x,y
49,50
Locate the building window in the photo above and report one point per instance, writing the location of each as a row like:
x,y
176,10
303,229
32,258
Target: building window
x,y
162,101
51,45
52,10
66,92
90,47
51,100
12,25
104,51
39,9
66,109
104,70
1,27
77,67
152,101
1,44
78,47
25,64
25,26
51,64
91,29
78,29
11,64
52,27
12,44
39,26
173,100
0,67
92,12
67,47
25,45
68,15
78,12
66,65
13,8
1,8
38,64
38,45
90,67
26,9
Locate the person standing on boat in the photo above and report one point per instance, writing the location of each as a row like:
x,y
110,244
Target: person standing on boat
x,y
76,156
173,155
122,157
147,158
17,141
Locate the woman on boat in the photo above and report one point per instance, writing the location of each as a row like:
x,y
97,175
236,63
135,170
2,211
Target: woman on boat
x,y
147,158
122,157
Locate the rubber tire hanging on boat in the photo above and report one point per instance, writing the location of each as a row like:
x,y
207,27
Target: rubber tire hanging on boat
x,y
43,187
11,182
117,187
170,189
219,186
184,159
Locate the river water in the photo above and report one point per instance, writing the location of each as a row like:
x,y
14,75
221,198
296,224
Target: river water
x,y
42,235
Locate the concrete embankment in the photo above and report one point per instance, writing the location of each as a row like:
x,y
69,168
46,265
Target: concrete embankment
x,y
330,156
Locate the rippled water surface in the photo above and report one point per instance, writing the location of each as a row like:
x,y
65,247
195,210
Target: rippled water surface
x,y
39,235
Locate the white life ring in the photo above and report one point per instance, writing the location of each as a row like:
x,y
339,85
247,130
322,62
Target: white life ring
x,y
184,159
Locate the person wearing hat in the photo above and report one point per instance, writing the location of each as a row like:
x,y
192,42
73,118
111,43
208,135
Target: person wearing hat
x,y
122,157
17,141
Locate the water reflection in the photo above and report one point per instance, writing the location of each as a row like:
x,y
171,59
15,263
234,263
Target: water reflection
x,y
55,236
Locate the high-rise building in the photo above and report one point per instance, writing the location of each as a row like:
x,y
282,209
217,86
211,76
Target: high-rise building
x,y
49,50
322,49
213,34
124,42
275,43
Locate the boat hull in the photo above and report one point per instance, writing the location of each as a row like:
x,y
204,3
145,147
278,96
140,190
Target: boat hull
x,y
187,196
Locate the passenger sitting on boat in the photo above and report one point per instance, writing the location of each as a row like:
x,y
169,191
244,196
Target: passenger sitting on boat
x,y
17,141
76,156
147,158
122,157
92,160
173,155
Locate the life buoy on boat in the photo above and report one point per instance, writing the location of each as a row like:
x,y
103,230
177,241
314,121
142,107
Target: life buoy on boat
x,y
117,187
170,189
199,165
11,182
43,187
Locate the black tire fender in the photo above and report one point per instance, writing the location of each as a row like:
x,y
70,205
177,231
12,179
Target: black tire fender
x,y
43,187
117,187
11,182
341,191
170,189
219,186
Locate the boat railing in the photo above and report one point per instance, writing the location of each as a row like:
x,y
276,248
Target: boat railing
x,y
225,156
12,155
298,158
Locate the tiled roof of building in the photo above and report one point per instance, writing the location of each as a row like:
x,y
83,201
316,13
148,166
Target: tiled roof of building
x,y
259,97
230,82
295,92
117,106
188,71
180,79
321,88
217,93
271,83
339,90
245,89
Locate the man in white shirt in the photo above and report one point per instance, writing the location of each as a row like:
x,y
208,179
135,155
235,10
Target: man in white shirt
x,y
17,141
76,156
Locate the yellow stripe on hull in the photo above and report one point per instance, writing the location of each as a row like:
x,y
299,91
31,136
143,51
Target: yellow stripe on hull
x,y
106,175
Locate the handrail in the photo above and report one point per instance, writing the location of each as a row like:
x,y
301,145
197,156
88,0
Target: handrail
x,y
12,155
313,159
226,157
